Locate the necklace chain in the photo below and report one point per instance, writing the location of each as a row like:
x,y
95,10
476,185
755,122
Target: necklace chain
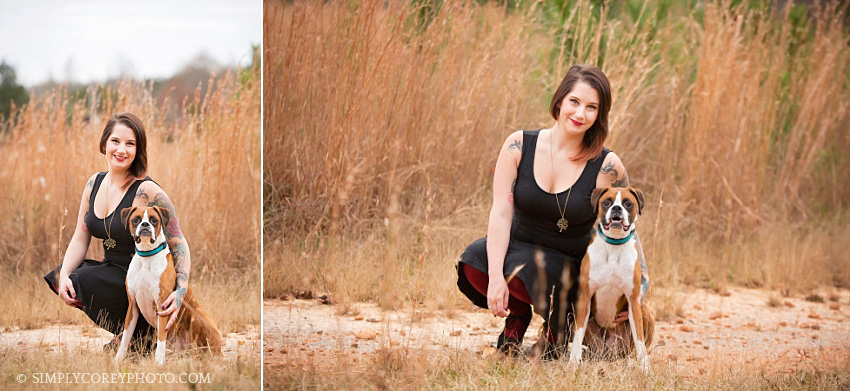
x,y
109,243
562,222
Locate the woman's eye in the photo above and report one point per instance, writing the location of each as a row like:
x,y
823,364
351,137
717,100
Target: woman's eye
x,y
573,101
591,107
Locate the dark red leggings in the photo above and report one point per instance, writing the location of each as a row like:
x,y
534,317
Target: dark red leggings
x,y
519,302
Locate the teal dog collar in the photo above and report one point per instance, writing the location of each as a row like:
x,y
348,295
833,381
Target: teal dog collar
x,y
612,240
152,252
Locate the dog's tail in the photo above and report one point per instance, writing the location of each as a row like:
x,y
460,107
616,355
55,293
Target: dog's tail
x,y
203,328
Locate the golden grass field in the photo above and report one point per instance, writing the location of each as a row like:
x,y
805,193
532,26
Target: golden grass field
x,y
207,158
381,133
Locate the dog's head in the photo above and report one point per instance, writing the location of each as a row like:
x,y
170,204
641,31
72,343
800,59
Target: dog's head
x,y
617,209
146,224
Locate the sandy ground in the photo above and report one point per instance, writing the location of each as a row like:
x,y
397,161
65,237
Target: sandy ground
x,y
736,328
73,338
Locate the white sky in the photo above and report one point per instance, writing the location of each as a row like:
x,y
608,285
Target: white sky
x,y
87,40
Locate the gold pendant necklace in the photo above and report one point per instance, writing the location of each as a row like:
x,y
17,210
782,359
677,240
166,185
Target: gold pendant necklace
x,y
109,243
562,222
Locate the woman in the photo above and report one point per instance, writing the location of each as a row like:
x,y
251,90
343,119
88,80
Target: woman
x,y
98,288
541,201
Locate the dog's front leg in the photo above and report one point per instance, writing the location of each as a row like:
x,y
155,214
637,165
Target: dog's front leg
x,y
636,325
161,335
129,327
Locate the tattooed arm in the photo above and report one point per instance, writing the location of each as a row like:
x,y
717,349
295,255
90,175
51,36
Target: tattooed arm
x,y
499,223
614,174
150,194
76,250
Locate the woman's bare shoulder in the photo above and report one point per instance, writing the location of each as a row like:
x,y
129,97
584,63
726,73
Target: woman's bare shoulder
x,y
90,184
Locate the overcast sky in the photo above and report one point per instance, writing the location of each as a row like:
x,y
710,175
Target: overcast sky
x,y
87,40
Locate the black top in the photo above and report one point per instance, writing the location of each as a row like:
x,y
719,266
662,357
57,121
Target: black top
x,y
125,247
536,211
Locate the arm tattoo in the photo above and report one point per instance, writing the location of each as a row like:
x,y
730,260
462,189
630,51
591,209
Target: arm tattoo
x,y
609,169
180,251
516,144
90,183
178,299
140,194
173,229
622,182
511,194
181,264
85,228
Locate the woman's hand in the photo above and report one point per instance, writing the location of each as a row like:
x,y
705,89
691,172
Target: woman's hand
x,y
497,296
622,316
171,305
67,293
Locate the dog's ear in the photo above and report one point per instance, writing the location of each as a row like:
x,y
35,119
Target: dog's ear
x,y
125,217
164,216
639,195
594,198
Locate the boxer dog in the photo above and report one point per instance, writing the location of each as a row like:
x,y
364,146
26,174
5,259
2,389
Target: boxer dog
x,y
151,279
610,270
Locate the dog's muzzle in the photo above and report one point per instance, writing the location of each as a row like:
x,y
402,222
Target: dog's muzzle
x,y
616,219
145,230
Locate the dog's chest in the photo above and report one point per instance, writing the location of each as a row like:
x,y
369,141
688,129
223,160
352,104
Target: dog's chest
x,y
612,266
143,282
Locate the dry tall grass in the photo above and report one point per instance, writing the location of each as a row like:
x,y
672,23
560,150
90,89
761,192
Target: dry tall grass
x,y
399,369
208,161
381,138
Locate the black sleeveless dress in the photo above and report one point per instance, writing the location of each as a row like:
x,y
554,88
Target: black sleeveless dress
x,y
535,227
100,286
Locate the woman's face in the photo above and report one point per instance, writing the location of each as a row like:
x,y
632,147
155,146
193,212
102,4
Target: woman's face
x,y
121,147
579,108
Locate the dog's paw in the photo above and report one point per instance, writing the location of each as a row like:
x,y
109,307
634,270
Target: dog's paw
x,y
643,363
575,357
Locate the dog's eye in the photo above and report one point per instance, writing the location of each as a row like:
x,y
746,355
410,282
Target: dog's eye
x,y
136,220
628,204
153,220
606,203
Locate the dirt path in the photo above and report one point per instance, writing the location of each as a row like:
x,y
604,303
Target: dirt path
x,y
739,329
73,338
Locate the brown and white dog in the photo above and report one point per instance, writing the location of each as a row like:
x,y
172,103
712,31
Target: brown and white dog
x,y
610,270
150,280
